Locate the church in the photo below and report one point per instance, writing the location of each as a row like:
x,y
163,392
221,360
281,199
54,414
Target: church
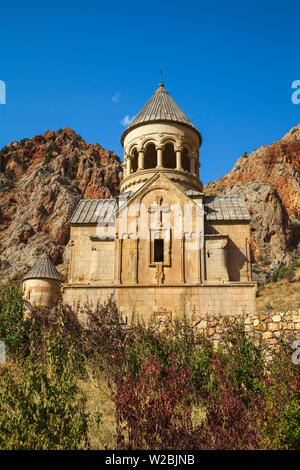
x,y
162,248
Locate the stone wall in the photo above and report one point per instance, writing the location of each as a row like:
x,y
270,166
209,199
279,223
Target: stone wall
x,y
267,325
168,301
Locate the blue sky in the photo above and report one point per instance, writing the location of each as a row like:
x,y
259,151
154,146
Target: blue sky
x,y
228,65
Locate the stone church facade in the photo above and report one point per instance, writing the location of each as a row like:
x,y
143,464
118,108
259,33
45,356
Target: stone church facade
x,y
162,248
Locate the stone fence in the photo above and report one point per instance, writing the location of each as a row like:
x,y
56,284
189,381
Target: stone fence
x,y
269,326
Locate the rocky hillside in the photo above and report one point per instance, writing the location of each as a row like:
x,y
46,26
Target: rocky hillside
x,y
269,178
41,181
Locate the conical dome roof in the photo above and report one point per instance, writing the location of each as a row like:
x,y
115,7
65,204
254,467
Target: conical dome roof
x,y
43,269
160,107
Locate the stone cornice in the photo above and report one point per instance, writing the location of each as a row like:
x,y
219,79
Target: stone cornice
x,y
187,179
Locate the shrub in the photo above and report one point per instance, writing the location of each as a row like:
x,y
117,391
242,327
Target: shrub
x,y
109,184
242,360
228,424
16,158
74,164
4,150
286,272
13,327
49,154
279,411
152,412
40,405
105,339
53,148
48,158
24,335
10,175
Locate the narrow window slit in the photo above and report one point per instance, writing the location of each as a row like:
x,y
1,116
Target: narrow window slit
x,y
158,251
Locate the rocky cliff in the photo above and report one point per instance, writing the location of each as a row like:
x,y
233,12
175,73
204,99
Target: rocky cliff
x,y
269,178
41,181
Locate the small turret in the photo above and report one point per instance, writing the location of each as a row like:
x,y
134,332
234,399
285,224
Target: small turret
x,y
41,285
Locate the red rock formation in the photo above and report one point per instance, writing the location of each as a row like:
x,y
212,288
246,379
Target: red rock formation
x,y
41,181
277,164
269,178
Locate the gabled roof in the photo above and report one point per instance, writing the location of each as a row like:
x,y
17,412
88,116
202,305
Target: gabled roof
x,y
148,184
160,107
92,211
226,208
43,269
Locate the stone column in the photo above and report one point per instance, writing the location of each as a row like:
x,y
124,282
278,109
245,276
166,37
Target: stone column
x,y
141,160
159,158
123,165
128,171
182,247
179,160
192,165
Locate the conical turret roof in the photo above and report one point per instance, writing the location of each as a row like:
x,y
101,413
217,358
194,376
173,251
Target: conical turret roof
x,y
43,269
160,107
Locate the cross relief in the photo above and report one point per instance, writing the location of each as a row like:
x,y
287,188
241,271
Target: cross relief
x,y
158,209
159,231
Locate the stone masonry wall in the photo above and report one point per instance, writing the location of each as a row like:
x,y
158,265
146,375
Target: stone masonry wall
x,y
267,325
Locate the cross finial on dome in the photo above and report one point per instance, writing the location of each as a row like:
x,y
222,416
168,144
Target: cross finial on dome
x,y
161,85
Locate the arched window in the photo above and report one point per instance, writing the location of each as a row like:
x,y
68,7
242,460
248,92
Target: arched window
x,y
150,157
185,160
169,156
134,162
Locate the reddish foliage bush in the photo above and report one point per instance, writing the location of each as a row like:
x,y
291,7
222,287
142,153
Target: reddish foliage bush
x,y
153,411
229,425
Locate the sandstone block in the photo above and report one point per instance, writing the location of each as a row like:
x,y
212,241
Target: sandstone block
x,y
263,317
267,335
273,326
276,318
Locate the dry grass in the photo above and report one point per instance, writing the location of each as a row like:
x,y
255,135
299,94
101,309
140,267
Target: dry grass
x,y
281,295
198,414
99,400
